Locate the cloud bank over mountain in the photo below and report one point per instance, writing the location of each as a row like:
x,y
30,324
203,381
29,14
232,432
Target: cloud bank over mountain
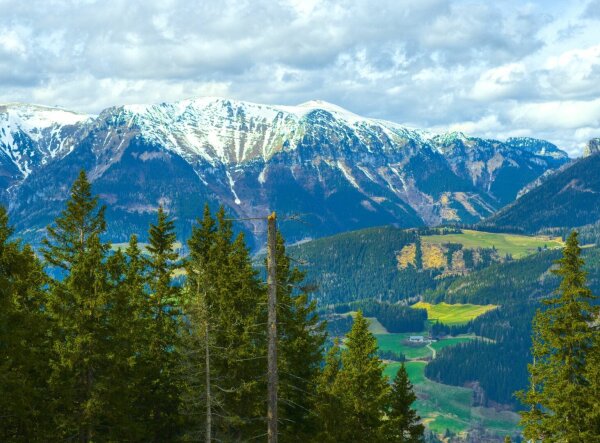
x,y
490,69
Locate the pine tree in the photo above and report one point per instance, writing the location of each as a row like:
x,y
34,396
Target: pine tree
x,y
359,388
24,371
161,325
127,343
224,293
199,400
328,407
300,340
79,306
239,306
75,227
403,422
559,394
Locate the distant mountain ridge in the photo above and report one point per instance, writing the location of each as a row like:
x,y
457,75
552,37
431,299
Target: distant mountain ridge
x,y
567,198
341,170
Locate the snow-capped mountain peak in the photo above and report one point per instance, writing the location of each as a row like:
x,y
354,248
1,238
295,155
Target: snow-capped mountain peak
x,y
354,171
29,134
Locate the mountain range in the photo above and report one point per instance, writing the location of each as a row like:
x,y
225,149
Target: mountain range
x,y
566,198
338,170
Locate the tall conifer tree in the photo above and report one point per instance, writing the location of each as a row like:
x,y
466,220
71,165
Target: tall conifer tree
x,y
128,341
161,318
224,292
79,305
559,394
198,350
300,341
237,305
24,347
359,389
402,424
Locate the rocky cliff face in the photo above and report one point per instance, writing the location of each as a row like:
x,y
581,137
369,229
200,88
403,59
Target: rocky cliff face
x,y
593,147
339,170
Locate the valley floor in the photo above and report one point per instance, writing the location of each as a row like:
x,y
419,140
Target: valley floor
x,y
442,407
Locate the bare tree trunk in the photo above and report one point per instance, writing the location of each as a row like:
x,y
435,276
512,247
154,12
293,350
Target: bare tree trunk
x,y
272,375
208,395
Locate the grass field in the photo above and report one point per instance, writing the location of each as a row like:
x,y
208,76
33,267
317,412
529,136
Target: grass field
x,y
395,343
414,368
454,314
517,245
449,407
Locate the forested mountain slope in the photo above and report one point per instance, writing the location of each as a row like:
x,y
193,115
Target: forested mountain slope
x,y
568,198
391,264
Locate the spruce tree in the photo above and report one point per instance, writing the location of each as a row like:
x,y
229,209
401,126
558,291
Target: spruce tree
x,y
560,394
360,388
199,400
79,305
328,408
300,340
403,425
82,219
223,292
161,325
239,309
24,347
127,344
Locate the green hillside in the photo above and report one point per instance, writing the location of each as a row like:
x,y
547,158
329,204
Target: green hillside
x,y
376,263
568,198
361,264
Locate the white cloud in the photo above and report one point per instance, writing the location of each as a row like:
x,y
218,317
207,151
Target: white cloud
x,y
566,114
501,82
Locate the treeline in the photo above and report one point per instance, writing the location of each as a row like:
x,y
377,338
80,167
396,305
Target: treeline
x,y
588,234
394,317
106,346
440,230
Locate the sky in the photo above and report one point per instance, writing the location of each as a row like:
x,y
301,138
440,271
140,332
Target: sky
x,y
492,69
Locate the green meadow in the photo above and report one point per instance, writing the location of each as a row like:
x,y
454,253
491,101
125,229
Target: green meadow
x,y
453,314
450,407
516,245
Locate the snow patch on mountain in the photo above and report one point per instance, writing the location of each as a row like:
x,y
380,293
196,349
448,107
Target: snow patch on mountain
x,y
31,134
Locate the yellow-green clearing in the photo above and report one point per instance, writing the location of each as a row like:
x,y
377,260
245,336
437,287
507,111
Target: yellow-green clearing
x,y
518,246
454,314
